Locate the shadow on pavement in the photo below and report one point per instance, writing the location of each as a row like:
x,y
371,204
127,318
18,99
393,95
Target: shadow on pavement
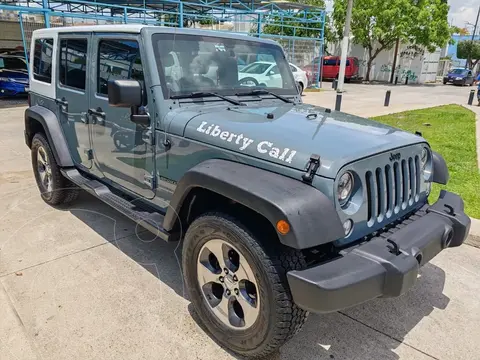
x,y
369,331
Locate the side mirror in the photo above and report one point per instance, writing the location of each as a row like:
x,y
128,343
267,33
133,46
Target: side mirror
x,y
271,73
125,93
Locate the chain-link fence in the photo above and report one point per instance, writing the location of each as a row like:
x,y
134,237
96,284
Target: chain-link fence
x,y
301,36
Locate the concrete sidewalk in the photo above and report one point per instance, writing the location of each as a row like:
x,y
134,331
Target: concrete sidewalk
x,y
368,100
83,282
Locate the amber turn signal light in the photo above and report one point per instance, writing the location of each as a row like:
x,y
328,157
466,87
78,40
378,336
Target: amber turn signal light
x,y
283,227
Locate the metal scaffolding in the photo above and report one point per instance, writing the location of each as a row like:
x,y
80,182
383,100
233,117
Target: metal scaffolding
x,y
298,28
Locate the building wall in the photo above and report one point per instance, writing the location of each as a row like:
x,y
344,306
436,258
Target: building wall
x,y
414,62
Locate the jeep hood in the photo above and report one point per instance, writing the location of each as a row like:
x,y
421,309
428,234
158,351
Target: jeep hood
x,y
289,134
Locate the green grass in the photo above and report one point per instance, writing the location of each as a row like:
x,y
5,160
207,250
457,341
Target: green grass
x,y
450,130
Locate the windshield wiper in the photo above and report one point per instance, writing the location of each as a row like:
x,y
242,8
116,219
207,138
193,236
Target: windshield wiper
x,y
200,94
264,92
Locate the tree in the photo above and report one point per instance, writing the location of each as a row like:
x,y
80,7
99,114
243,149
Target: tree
x,y
377,24
469,50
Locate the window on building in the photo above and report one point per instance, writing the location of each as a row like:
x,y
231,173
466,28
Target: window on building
x,y
73,56
118,59
42,60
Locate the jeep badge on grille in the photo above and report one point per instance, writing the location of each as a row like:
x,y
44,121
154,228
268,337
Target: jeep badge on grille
x,y
394,156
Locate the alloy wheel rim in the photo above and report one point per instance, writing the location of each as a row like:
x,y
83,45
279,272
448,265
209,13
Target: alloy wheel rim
x,y
228,284
44,169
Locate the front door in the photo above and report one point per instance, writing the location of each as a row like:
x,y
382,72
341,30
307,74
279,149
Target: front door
x,y
122,153
72,100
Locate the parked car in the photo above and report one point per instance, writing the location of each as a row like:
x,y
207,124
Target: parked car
x,y
260,73
331,68
281,208
13,75
459,76
300,77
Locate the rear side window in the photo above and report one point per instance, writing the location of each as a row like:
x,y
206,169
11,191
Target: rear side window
x,y
73,56
118,59
42,60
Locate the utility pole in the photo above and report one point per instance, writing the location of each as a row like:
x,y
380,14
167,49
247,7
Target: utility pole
x,y
343,59
473,35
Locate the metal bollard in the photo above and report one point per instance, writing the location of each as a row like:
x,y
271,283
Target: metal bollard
x,y
396,80
406,80
338,102
387,98
334,84
470,98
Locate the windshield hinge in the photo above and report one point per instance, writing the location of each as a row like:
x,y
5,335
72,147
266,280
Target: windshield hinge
x,y
311,168
150,180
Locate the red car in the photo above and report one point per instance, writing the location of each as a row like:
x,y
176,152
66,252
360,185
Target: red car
x,y
331,68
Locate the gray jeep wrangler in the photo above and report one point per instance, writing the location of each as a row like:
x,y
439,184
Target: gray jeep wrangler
x,y
283,208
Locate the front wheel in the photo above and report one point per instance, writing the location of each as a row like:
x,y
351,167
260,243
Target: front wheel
x,y
238,285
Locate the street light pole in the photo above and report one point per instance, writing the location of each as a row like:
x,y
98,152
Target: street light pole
x,y
473,35
343,59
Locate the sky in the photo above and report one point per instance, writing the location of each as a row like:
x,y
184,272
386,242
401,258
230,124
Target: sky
x,y
462,11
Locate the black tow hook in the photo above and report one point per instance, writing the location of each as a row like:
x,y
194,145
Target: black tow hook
x,y
393,248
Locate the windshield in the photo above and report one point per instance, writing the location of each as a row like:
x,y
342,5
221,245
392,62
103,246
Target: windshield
x,y
458,71
194,63
11,63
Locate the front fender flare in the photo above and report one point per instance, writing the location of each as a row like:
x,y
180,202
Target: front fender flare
x,y
53,131
312,216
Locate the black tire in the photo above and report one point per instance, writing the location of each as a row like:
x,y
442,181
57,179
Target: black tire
x,y
62,190
279,318
301,87
444,83
248,79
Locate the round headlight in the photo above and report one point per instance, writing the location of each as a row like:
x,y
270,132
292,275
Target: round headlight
x,y
424,158
345,188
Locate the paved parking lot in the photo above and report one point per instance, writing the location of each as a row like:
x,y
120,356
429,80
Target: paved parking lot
x,y
83,282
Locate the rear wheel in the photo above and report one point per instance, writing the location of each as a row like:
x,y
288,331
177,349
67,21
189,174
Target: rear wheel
x,y
54,187
238,285
300,87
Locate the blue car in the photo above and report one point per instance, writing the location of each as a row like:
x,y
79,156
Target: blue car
x,y
459,77
13,75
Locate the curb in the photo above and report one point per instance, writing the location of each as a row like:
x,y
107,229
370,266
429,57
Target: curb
x,y
474,235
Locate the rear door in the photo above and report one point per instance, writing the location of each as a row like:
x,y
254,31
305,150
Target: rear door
x,y
123,151
72,87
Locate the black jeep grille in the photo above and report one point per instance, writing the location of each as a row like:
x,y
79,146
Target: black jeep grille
x,y
392,188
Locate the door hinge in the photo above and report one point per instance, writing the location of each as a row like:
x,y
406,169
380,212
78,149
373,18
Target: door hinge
x,y
150,180
89,154
311,168
148,137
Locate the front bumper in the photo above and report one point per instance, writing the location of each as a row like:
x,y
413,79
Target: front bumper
x,y
385,266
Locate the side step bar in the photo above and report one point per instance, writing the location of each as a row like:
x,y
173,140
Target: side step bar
x,y
151,221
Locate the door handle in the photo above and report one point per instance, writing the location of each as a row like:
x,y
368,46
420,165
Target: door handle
x,y
97,112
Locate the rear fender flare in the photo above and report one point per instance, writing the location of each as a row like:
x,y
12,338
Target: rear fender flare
x,y
53,131
312,216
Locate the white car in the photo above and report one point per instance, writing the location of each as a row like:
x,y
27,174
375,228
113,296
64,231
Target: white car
x,y
300,77
265,72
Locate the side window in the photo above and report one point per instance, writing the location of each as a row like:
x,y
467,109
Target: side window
x,y
42,60
73,62
118,59
293,68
